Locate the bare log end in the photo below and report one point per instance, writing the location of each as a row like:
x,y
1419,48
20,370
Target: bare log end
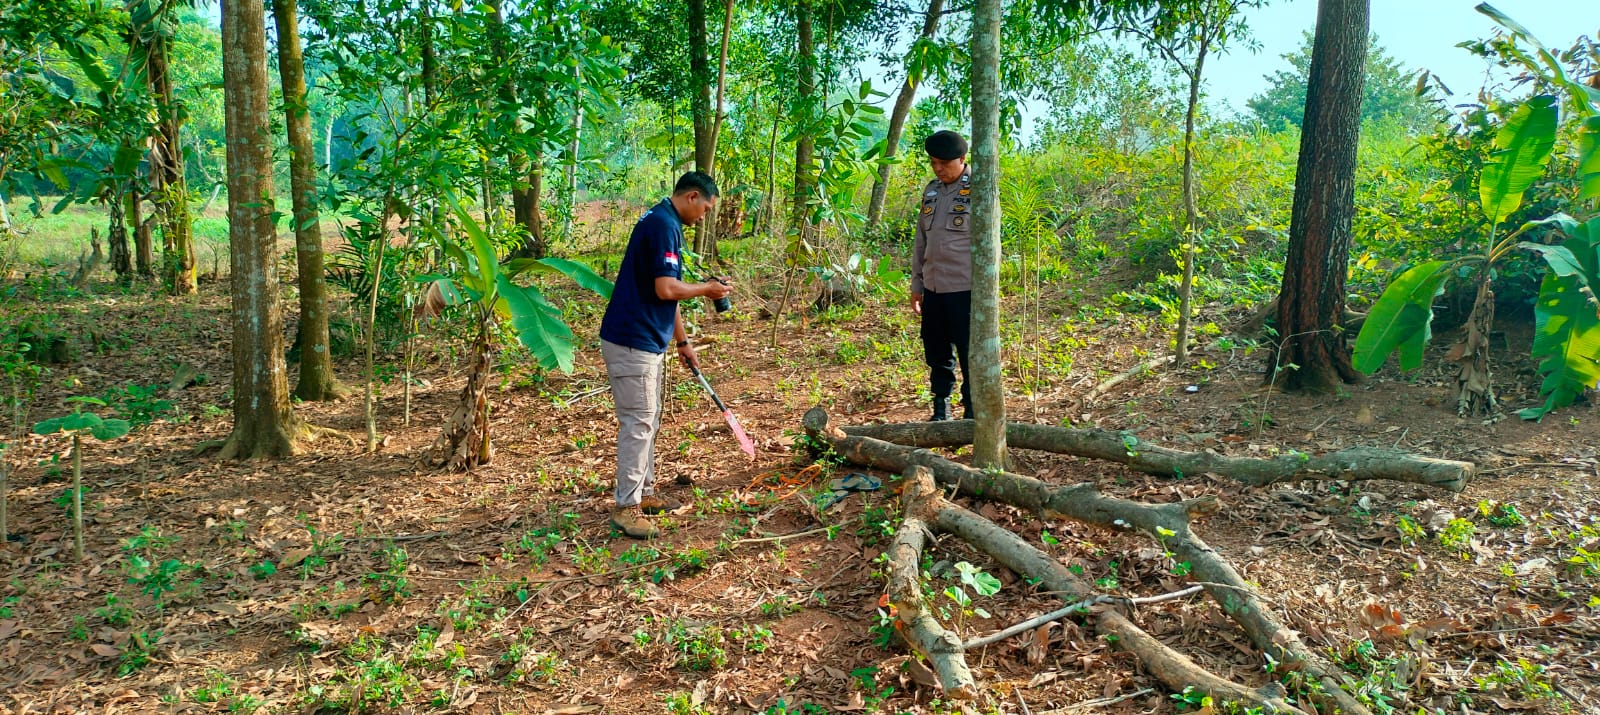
x,y
819,424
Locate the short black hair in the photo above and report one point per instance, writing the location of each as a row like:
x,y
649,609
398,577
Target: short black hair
x,y
696,181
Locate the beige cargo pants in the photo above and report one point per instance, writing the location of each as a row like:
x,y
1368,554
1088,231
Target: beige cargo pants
x,y
638,384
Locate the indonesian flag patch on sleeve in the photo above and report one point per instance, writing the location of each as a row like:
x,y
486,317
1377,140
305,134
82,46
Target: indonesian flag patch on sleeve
x,y
670,259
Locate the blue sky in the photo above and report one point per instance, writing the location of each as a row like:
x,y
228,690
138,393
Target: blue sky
x,y
1418,33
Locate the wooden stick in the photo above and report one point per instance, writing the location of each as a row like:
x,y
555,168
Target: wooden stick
x,y
1080,606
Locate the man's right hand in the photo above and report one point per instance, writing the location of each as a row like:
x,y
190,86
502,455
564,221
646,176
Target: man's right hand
x,y
916,303
716,288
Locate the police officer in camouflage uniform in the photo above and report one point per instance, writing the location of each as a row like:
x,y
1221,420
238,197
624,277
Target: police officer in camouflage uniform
x,y
941,270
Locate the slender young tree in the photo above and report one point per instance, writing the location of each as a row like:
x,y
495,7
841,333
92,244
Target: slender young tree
x,y
988,386
317,381
897,118
263,424
1186,35
1312,353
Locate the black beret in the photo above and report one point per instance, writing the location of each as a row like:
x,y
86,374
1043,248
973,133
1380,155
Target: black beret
x,y
945,144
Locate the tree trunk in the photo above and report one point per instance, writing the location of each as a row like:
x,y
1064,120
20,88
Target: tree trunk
x,y
700,74
573,151
804,145
988,383
1191,211
117,234
525,207
897,121
263,424
711,226
144,253
167,158
1354,464
317,382
1312,353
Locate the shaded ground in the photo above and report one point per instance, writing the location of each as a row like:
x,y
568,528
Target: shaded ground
x,y
394,587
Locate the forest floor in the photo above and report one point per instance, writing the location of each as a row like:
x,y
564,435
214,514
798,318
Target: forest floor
x,y
341,581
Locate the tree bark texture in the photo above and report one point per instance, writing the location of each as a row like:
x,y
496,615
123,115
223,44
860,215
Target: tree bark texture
x,y
1167,523
117,234
897,121
915,619
166,155
805,145
317,381
1312,353
988,378
263,424
1354,464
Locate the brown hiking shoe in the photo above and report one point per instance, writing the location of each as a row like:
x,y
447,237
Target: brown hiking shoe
x,y
629,521
655,504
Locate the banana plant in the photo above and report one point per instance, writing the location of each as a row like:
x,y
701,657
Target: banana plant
x,y
485,287
78,424
1567,338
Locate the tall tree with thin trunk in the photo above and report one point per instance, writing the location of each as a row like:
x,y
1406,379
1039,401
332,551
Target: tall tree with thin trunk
x,y
263,424
1312,353
317,381
988,385
166,159
897,117
804,146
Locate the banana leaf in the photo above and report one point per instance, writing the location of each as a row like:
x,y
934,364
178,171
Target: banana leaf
x,y
539,325
1568,341
1401,319
1523,146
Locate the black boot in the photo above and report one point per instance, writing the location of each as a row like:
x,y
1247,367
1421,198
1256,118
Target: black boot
x,y
941,409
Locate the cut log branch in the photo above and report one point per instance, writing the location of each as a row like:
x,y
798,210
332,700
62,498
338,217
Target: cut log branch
x,y
1167,523
941,647
1175,670
1355,464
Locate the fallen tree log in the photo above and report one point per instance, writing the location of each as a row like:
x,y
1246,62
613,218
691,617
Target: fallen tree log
x,y
1167,523
941,647
1355,464
1175,670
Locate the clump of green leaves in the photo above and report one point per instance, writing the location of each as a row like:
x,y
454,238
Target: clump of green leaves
x,y
1523,678
1457,536
1501,514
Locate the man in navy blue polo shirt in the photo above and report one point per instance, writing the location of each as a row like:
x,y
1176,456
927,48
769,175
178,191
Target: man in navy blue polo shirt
x,y
641,321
